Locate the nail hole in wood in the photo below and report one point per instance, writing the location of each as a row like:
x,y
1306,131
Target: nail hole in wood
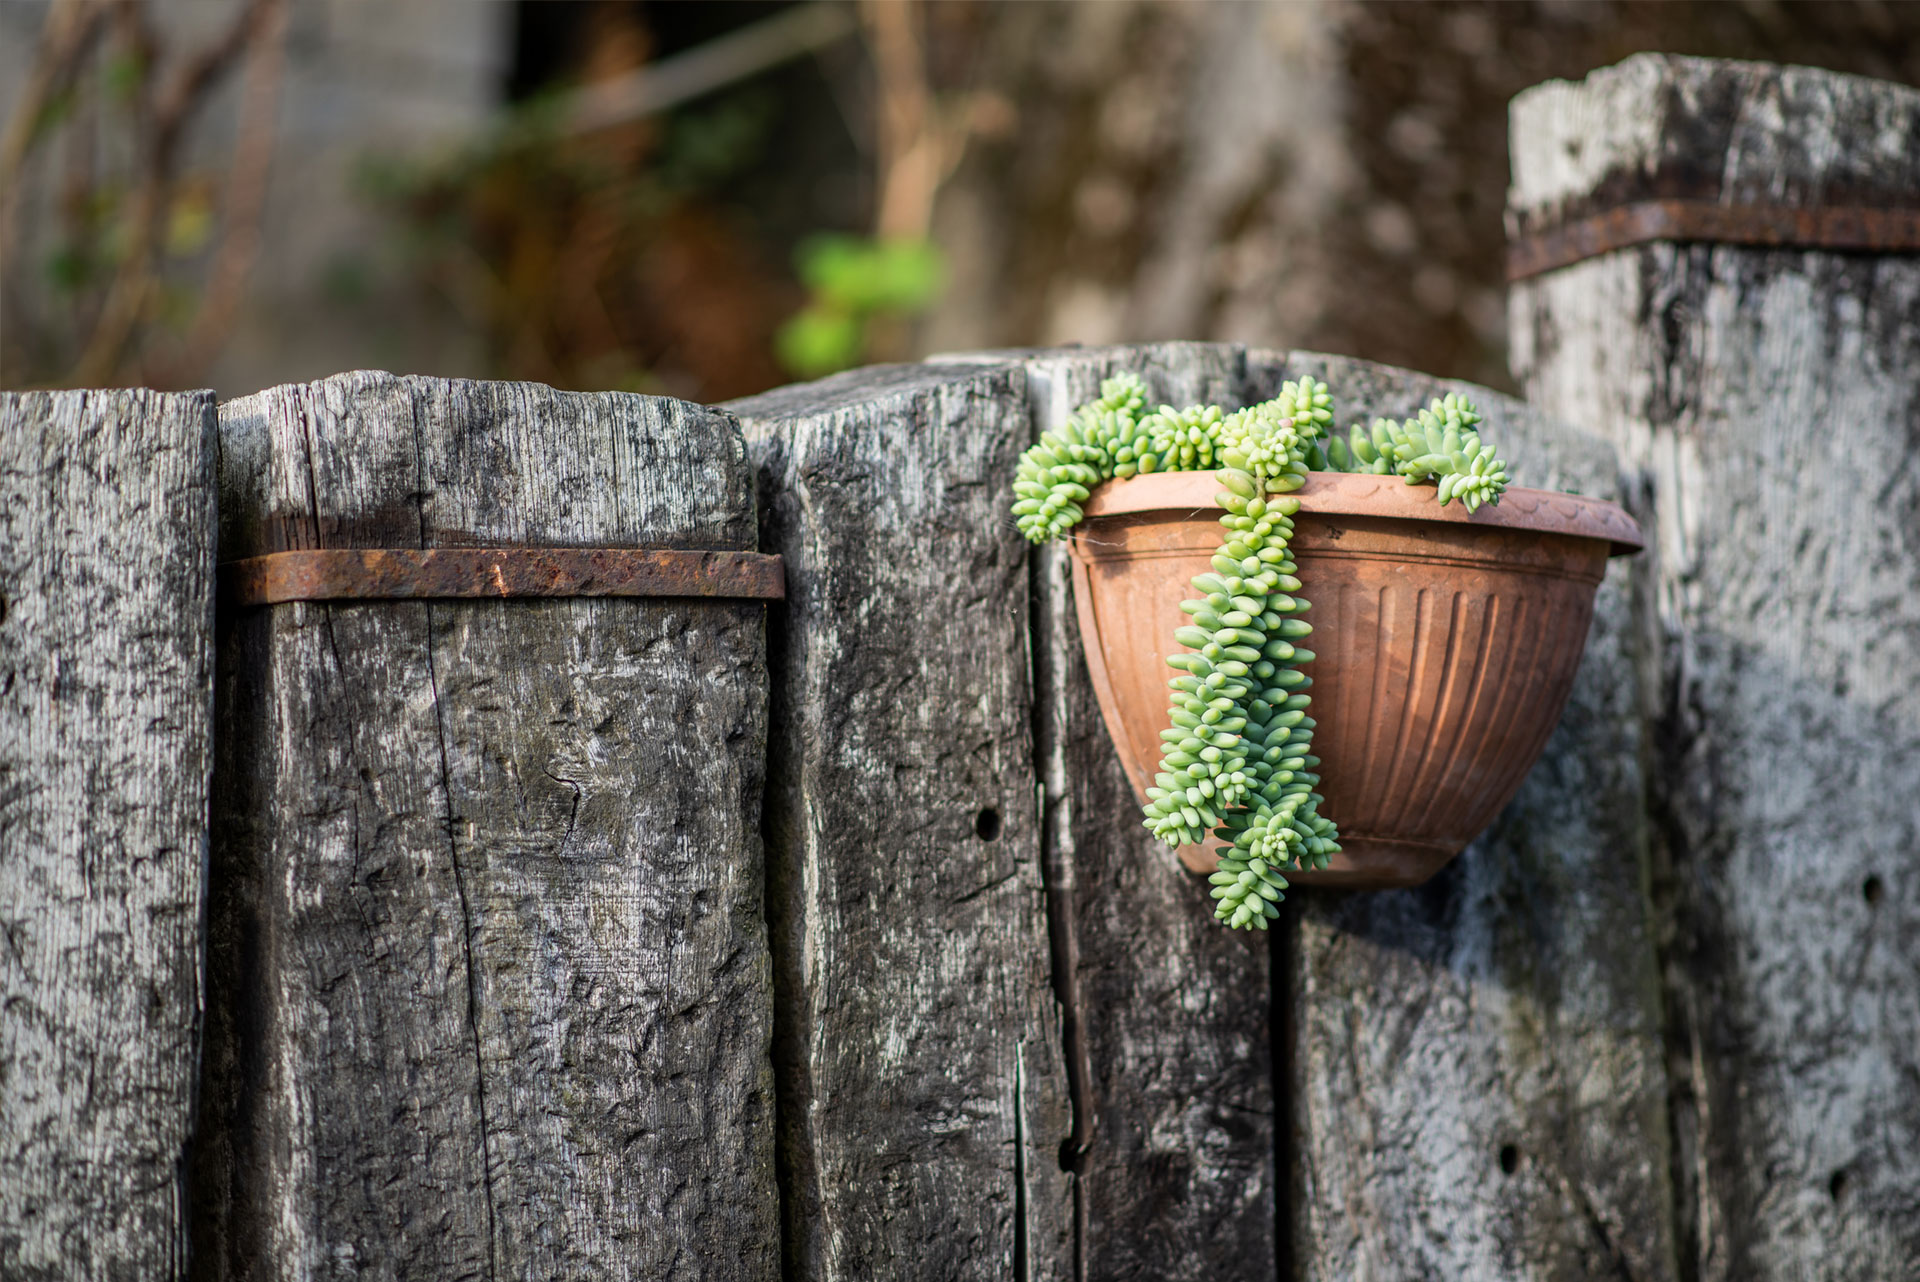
x,y
986,824
1509,1159
1871,889
1836,1184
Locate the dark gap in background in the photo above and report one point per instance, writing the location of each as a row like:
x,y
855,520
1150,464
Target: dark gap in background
x,y
810,175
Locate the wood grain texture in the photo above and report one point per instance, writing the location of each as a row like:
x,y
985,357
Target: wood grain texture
x,y
1168,1014
1504,1015
106,700
924,1101
1768,399
1474,1066
489,956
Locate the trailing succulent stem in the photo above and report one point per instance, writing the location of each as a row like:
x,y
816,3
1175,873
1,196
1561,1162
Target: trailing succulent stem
x,y
1238,758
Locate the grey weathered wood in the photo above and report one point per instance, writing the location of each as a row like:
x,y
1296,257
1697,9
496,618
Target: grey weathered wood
x,y
106,697
1475,1064
1510,1004
1769,399
923,1100
1167,1013
489,959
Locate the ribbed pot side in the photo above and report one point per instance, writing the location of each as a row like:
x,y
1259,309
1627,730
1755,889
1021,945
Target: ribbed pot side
x,y
1445,645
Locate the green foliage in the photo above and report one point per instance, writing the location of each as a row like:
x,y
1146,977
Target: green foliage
x,y
705,148
1238,760
854,283
1104,438
820,340
1439,445
72,268
124,75
54,112
872,275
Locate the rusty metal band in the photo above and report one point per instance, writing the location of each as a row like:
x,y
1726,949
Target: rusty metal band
x,y
1857,230
406,574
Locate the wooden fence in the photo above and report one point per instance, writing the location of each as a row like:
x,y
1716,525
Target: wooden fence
x,y
701,938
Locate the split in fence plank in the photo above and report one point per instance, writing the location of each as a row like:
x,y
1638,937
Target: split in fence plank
x,y
489,952
1768,398
924,1102
106,699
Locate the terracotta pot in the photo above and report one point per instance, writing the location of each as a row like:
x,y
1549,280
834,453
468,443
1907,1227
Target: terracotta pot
x,y
1445,644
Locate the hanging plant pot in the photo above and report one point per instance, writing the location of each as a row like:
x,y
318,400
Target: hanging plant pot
x,y
1446,644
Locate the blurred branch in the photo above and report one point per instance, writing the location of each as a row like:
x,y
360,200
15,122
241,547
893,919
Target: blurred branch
x,y
246,197
713,65
71,29
922,139
864,293
133,283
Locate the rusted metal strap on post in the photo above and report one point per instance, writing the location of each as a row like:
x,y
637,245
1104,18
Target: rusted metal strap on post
x,y
405,574
1854,229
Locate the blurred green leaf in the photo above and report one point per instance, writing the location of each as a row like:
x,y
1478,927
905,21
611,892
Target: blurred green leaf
x,y
125,72
865,275
705,148
56,109
820,340
189,223
71,268
852,281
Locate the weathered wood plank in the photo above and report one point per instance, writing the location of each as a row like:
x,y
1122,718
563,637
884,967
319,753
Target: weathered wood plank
x,y
489,947
923,1100
106,699
1475,1071
1168,1014
1519,989
1769,399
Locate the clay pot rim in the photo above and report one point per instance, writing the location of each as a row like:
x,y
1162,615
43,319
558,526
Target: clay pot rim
x,y
1362,494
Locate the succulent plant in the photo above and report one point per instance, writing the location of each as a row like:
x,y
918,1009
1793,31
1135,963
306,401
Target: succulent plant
x,y
1238,760
1438,445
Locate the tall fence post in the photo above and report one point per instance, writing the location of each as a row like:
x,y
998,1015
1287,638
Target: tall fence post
x,y
1767,393
106,685
490,982
1475,1070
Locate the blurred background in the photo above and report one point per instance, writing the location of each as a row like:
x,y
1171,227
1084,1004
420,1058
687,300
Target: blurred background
x,y
708,199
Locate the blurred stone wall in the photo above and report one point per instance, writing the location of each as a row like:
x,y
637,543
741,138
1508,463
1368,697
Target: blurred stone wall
x,y
1323,174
